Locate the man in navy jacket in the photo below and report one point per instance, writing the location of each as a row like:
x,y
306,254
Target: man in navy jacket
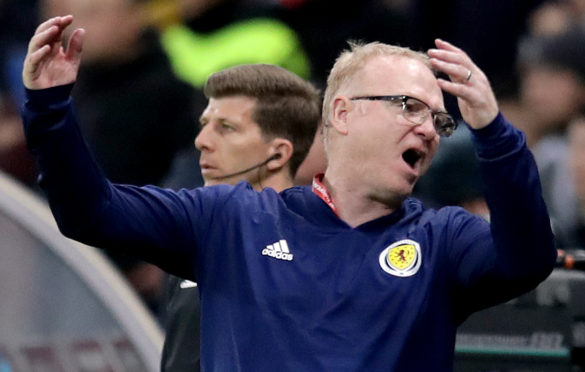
x,y
257,127
350,274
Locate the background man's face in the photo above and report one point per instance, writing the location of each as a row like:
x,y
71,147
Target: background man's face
x,y
230,141
553,95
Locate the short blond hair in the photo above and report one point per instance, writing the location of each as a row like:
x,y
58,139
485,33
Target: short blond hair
x,y
352,60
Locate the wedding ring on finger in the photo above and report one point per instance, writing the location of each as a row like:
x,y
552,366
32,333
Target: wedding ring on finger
x,y
468,75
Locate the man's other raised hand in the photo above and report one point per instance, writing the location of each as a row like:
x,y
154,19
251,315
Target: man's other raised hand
x,y
48,63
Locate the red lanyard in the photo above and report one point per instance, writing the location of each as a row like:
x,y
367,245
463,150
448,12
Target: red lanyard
x,y
322,192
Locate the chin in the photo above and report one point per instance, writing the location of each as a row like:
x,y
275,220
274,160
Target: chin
x,y
393,202
393,198
404,189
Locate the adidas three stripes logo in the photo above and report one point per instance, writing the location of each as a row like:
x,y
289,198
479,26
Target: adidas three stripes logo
x,y
278,250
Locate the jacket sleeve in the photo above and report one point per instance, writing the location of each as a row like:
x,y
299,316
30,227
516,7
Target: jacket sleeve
x,y
147,222
516,251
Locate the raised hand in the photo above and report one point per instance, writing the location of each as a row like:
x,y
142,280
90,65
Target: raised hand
x,y
476,99
47,63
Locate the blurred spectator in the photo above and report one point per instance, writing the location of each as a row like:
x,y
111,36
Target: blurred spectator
x,y
561,160
554,17
532,108
576,139
552,96
552,73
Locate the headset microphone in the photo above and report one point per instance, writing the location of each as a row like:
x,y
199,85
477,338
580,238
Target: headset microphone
x,y
273,157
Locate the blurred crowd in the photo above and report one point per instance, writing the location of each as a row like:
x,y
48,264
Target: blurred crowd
x,y
138,95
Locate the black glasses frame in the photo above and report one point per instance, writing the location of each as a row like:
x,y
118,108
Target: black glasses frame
x,y
444,123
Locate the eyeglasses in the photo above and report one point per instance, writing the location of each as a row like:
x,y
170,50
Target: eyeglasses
x,y
416,111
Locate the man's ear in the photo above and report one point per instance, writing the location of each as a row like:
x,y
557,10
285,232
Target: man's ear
x,y
340,108
282,150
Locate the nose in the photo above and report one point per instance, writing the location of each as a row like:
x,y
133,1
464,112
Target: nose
x,y
203,141
427,128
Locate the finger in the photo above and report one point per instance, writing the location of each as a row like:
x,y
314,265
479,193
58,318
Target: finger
x,y
60,22
56,46
459,90
43,38
448,56
35,58
442,44
75,45
65,21
455,71
57,42
56,25
47,24
32,64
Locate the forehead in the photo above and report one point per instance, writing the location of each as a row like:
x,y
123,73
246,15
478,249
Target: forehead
x,y
239,108
384,75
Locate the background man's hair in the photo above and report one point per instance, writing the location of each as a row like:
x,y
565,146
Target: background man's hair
x,y
286,105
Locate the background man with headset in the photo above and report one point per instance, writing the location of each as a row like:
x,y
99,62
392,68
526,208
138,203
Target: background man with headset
x,y
258,127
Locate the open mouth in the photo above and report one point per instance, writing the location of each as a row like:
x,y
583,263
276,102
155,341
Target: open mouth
x,y
411,157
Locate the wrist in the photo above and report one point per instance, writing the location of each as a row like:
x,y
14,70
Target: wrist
x,y
38,99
